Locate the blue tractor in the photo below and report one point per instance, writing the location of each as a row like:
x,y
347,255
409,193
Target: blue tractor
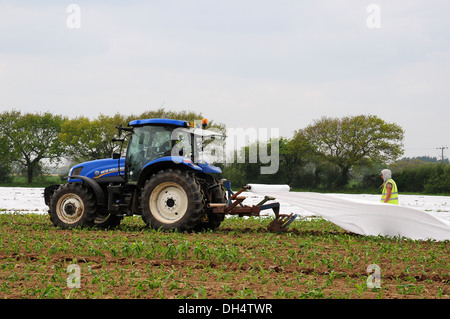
x,y
162,178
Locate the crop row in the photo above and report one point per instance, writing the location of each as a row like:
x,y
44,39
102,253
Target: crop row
x,y
314,259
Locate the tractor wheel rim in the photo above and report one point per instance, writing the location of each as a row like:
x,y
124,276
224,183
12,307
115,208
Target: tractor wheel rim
x,y
70,208
168,202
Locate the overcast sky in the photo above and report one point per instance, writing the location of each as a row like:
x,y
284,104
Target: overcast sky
x,y
263,64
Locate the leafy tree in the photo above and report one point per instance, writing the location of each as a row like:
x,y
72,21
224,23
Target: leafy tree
x,y
439,181
420,159
31,138
87,139
351,141
292,164
176,115
5,161
162,113
244,171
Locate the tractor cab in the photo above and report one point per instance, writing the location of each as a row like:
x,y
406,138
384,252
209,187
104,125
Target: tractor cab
x,y
160,141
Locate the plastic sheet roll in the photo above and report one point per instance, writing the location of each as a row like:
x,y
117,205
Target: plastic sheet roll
x,y
269,188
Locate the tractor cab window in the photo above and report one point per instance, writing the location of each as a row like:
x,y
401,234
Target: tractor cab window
x,y
209,146
181,143
147,144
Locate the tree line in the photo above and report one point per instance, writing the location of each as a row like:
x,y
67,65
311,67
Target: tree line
x,y
330,154
327,153
347,154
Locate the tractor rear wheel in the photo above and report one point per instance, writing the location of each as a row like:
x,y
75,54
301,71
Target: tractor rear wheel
x,y
72,205
172,199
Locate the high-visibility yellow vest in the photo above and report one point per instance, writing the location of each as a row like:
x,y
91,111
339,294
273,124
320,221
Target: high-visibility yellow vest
x,y
394,193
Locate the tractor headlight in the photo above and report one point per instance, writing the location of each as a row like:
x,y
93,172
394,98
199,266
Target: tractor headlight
x,y
76,171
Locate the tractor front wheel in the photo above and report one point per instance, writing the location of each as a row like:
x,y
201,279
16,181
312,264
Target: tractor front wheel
x,y
72,205
172,199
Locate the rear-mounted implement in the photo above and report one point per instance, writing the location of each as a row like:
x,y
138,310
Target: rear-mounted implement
x,y
234,206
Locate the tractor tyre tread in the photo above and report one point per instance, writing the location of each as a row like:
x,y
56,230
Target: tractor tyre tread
x,y
193,192
89,202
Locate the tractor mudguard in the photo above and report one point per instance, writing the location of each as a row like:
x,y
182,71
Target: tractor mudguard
x,y
99,194
48,192
154,166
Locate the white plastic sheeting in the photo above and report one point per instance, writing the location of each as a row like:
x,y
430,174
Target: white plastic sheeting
x,y
364,218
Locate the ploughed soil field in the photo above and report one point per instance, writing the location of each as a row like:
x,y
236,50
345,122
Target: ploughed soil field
x,y
241,259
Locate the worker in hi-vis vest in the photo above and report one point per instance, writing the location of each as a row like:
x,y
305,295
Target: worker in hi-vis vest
x,y
390,192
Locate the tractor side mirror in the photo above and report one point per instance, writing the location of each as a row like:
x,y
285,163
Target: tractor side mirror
x,y
116,155
119,130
